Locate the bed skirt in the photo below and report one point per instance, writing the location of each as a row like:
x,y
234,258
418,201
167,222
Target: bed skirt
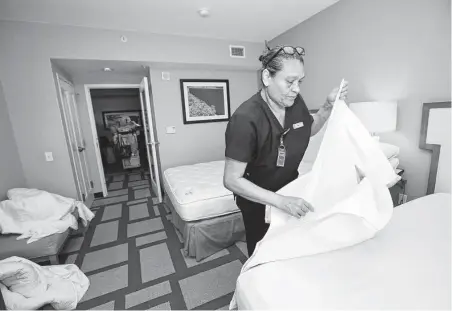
x,y
205,237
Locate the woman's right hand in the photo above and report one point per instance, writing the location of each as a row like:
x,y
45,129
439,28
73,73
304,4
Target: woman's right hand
x,y
295,206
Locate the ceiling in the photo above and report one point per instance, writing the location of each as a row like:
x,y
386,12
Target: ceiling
x,y
239,20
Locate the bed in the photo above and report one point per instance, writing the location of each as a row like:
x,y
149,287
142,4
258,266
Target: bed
x,y
202,209
405,266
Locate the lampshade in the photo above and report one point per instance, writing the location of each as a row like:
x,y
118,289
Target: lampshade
x,y
377,117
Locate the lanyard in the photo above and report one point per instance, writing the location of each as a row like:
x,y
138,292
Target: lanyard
x,y
281,159
281,139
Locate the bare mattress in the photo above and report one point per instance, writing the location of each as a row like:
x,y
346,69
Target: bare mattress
x,y
197,192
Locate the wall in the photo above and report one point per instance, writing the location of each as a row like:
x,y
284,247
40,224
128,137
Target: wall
x,y
168,110
112,103
12,175
30,91
386,50
193,143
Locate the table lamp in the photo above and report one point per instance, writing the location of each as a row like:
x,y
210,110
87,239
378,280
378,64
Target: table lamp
x,y
377,117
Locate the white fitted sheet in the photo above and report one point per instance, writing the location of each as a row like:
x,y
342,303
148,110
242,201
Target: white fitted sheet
x,y
407,265
197,192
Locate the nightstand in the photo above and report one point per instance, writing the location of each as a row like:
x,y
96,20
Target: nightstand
x,y
398,189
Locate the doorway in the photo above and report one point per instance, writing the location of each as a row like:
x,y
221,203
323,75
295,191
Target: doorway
x,y
117,114
124,131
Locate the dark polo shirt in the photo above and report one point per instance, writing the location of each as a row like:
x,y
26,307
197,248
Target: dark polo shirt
x,y
253,136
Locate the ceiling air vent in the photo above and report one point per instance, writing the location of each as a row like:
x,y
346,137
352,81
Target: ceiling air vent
x,y
237,51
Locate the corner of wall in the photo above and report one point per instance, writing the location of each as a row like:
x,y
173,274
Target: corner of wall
x,y
11,168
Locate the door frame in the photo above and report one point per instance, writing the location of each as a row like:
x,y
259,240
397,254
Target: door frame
x,y
79,180
92,123
151,138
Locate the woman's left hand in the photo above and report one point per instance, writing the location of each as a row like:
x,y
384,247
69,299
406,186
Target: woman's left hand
x,y
332,97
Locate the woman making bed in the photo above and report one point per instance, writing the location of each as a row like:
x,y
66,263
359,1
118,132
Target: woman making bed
x,y
267,137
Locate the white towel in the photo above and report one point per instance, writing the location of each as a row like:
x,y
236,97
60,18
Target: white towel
x,y
348,210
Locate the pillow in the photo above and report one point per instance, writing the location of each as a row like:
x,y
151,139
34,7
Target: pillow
x,y
390,151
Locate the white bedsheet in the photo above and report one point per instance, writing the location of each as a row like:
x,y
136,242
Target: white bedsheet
x,y
406,266
26,285
306,166
35,214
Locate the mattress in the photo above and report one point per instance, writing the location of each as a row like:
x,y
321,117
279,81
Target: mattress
x,y
406,266
197,192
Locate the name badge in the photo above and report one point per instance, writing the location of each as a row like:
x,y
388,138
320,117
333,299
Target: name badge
x,y
298,125
281,156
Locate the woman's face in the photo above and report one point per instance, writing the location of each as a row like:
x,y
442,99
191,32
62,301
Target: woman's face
x,y
284,87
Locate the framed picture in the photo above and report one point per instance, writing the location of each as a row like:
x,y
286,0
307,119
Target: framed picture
x,y
111,117
205,100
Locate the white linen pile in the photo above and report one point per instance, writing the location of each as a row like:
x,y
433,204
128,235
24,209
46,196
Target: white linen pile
x,y
26,285
349,208
35,214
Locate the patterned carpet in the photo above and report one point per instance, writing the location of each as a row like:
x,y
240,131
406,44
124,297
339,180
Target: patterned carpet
x,y
132,255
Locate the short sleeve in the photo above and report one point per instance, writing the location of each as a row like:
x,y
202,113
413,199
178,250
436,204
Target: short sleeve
x,y
241,139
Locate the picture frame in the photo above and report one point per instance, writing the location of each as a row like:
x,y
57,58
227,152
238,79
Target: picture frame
x,y
110,117
205,100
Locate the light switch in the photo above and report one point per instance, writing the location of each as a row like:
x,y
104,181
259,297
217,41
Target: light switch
x,y
171,130
49,156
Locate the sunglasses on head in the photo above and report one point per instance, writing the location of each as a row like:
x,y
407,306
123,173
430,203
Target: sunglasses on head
x,y
290,50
